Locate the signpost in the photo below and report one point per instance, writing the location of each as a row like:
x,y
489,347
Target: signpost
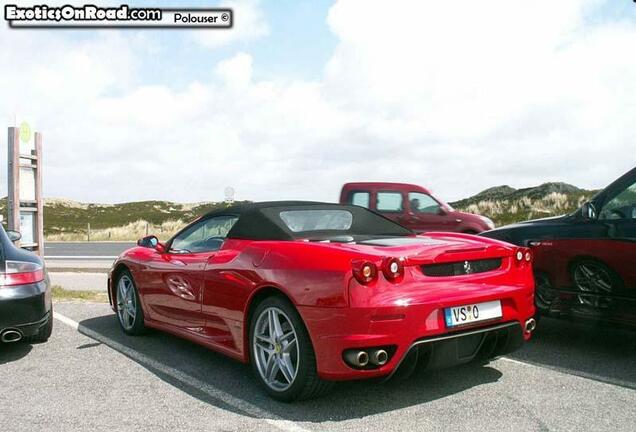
x,y
24,195
229,195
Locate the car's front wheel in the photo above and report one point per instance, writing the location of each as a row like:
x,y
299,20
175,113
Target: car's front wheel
x,y
129,312
282,355
595,278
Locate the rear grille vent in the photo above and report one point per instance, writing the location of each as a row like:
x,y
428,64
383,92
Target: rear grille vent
x,y
461,267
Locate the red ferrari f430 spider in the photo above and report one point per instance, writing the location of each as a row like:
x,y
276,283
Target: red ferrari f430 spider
x,y
310,293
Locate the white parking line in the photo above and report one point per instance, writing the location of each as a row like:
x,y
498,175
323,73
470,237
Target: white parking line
x,y
239,404
586,375
69,322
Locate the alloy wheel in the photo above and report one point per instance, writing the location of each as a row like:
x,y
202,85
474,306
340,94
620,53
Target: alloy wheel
x,y
543,293
275,345
126,302
593,278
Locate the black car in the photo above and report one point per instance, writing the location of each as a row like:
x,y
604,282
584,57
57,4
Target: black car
x,y
26,311
585,262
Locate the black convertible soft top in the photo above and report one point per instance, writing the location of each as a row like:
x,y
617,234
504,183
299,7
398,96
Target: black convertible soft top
x,y
262,221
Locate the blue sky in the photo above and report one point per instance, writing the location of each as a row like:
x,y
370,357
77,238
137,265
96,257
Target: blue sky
x,y
299,32
298,45
302,96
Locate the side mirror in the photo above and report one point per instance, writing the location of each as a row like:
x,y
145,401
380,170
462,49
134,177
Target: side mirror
x,y
14,236
442,211
152,242
588,211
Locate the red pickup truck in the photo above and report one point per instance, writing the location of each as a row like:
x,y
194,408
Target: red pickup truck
x,y
413,206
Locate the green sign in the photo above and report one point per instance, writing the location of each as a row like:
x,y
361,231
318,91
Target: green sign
x,y
25,132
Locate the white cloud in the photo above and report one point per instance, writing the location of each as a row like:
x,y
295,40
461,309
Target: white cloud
x,y
249,24
456,98
236,72
491,92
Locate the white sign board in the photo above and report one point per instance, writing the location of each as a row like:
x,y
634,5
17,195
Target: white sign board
x,y
27,184
27,227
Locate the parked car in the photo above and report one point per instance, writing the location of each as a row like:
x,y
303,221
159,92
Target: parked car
x,y
413,207
585,262
26,311
311,292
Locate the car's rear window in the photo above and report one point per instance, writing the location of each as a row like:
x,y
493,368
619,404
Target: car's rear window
x,y
312,222
317,220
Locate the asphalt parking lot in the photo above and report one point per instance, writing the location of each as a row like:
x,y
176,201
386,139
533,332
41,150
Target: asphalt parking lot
x,y
89,376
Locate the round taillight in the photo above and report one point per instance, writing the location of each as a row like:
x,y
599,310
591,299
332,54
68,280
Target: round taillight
x,y
528,256
365,272
392,269
519,256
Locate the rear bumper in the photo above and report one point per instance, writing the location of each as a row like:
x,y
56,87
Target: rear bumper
x,y
25,307
458,348
400,329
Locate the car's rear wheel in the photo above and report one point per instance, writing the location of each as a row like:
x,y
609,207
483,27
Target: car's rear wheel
x,y
282,355
129,312
543,294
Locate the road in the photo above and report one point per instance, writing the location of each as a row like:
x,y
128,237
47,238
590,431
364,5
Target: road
x,y
570,377
85,249
81,265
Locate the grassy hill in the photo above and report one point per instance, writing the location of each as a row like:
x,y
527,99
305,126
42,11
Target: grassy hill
x,y
505,205
68,220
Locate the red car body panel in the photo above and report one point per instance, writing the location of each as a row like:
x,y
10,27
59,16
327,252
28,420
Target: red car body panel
x,y
206,297
447,219
384,315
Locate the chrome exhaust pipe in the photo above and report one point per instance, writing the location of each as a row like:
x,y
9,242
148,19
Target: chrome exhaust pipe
x,y
531,324
10,336
379,357
357,358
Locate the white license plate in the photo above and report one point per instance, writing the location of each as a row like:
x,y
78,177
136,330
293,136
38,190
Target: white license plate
x,y
460,315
